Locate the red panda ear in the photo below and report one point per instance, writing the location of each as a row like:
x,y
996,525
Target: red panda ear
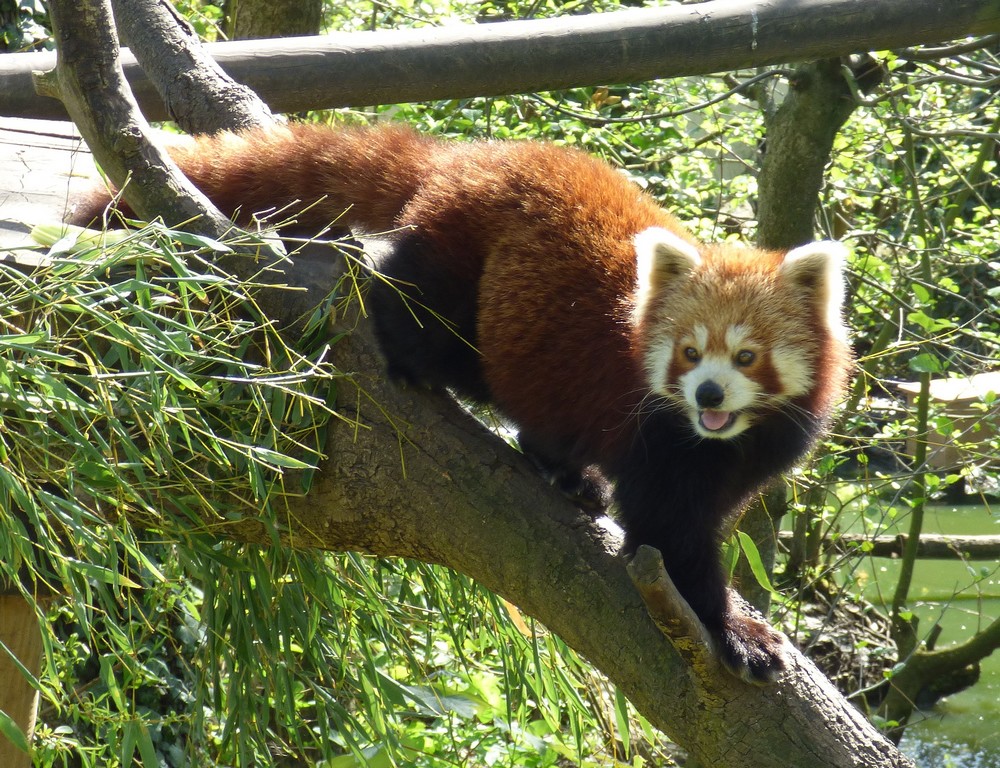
x,y
816,274
661,257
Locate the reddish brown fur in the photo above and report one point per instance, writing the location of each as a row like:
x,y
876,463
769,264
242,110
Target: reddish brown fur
x,y
529,251
292,167
506,202
526,207
554,358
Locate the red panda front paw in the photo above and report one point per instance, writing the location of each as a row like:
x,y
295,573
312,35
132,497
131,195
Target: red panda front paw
x,y
589,490
751,649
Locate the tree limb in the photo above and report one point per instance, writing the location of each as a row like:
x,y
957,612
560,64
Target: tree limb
x,y
89,80
197,93
668,608
930,674
931,545
421,479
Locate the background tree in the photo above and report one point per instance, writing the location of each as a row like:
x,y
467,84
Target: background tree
x,y
250,19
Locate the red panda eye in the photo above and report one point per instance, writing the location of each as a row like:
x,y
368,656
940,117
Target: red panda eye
x,y
745,357
692,354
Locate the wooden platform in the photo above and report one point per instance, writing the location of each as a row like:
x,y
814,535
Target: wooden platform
x,y
43,165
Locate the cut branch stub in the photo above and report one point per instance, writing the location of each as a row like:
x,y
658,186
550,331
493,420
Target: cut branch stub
x,y
668,609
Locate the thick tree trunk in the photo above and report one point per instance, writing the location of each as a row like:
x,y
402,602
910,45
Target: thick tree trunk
x,y
800,136
255,19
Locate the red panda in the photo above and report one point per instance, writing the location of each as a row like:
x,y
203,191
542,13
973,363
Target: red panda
x,y
544,282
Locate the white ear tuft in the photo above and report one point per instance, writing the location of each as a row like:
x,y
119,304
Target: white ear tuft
x,y
661,257
816,271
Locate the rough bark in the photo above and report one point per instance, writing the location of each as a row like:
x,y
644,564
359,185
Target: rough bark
x,y
197,93
547,54
255,19
800,136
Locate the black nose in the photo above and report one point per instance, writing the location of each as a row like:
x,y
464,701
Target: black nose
x,y
709,395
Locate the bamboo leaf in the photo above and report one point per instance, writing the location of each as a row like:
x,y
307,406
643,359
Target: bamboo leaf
x,y
13,732
752,555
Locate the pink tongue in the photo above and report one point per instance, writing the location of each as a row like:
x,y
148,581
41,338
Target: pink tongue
x,y
714,420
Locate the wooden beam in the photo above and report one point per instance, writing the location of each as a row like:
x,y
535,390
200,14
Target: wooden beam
x,y
19,631
394,66
44,165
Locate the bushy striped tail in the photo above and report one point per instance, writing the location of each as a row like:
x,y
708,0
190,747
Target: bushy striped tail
x,y
315,175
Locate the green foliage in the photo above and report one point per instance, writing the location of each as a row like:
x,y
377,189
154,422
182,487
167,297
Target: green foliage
x,y
205,18
137,382
23,26
914,181
140,383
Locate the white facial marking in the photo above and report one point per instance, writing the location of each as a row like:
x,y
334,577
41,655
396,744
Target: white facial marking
x,y
700,333
794,372
658,359
740,393
736,338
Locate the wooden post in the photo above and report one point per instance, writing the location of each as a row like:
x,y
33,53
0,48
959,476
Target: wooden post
x,y
20,632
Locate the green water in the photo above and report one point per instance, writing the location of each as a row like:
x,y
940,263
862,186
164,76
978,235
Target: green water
x,y
961,731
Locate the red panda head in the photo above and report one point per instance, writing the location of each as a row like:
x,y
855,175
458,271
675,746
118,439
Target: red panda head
x,y
729,334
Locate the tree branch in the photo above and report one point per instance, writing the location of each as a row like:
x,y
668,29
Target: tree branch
x,y
422,480
930,674
88,78
197,93
669,610
931,545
